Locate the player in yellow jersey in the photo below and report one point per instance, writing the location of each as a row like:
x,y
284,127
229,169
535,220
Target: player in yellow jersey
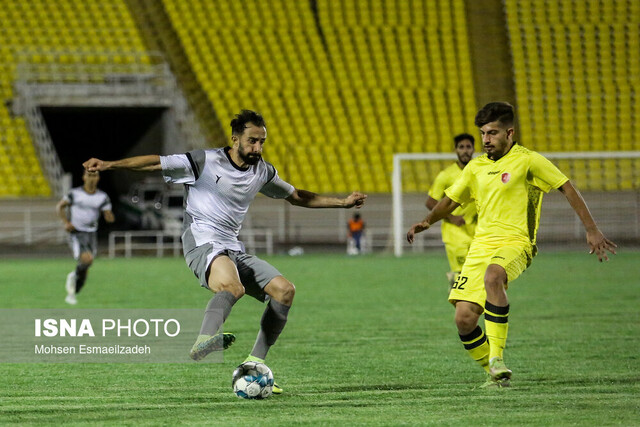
x,y
459,226
506,185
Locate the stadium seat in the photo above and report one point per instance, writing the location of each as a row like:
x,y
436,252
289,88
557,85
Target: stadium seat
x,y
51,32
577,61
355,83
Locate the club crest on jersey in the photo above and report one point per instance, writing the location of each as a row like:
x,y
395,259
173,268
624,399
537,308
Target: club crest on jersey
x,y
506,177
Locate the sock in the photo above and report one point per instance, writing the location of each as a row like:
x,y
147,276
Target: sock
x,y
496,322
271,325
81,276
217,312
477,346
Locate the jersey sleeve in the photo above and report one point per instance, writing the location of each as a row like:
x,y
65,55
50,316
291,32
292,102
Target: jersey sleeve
x,y
460,190
106,204
437,188
276,187
178,169
68,197
544,174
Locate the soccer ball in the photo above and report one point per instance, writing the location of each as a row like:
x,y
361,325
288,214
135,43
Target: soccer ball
x,y
252,380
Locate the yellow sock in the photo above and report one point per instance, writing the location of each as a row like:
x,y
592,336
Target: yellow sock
x,y
496,322
477,346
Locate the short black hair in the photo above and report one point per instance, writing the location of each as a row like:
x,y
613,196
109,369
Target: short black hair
x,y
462,137
239,122
495,111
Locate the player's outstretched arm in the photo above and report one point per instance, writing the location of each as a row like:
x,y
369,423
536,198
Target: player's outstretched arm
x,y
597,242
308,199
138,163
441,210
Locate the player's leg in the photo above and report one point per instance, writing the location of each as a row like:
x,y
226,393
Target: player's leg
x,y
80,249
82,269
274,319
222,278
506,264
275,315
468,295
456,255
496,319
471,334
265,283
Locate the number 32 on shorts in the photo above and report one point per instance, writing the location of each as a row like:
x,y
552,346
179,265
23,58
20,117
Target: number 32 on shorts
x,y
460,282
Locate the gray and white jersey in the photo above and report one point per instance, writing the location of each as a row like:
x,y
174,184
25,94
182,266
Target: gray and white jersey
x,y
219,194
85,208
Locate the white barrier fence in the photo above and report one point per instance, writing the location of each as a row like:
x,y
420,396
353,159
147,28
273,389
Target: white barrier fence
x,y
159,243
29,225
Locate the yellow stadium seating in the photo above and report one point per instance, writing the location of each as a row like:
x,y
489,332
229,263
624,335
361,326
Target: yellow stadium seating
x,y
577,78
351,89
49,31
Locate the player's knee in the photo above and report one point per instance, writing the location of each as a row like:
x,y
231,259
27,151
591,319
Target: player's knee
x,y
495,277
86,258
466,321
288,292
234,288
282,290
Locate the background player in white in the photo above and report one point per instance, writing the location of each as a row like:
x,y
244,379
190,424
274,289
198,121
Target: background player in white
x,y
220,185
80,212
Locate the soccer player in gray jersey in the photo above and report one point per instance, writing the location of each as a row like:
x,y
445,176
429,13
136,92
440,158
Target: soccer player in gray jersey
x,y
80,211
220,185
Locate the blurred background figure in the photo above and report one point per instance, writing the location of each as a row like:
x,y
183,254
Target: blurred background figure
x,y
80,212
356,230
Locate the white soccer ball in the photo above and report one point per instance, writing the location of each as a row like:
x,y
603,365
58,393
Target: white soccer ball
x,y
252,380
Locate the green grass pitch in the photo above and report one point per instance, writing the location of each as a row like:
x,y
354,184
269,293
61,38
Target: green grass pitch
x,y
370,340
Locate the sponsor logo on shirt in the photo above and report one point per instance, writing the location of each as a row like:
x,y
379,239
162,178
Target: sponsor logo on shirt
x,y
493,173
506,177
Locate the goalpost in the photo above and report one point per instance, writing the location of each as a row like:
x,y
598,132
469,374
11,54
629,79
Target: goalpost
x,y
617,174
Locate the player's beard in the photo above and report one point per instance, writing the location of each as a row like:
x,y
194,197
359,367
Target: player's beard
x,y
465,159
251,158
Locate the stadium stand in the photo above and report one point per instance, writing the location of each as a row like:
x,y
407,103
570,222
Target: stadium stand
x,y
577,76
339,94
45,31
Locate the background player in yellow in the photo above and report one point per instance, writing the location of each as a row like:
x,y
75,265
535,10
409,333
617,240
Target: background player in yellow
x,y
506,185
459,226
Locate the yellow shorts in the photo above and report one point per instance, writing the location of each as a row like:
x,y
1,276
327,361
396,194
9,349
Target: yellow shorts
x,y
513,256
457,254
456,242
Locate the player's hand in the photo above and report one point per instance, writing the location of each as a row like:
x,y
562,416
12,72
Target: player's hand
x,y
69,227
355,199
457,220
417,228
95,165
600,244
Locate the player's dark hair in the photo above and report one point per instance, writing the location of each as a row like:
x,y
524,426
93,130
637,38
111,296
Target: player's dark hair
x,y
462,137
495,111
239,122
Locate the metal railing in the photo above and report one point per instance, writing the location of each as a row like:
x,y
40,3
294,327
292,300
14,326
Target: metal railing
x,y
29,225
159,242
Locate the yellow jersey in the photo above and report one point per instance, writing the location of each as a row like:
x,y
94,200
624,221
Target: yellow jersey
x,y
507,192
452,233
